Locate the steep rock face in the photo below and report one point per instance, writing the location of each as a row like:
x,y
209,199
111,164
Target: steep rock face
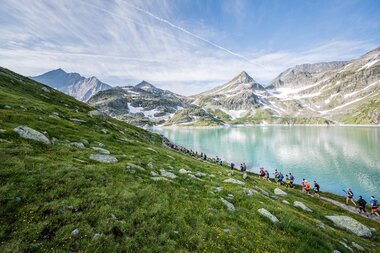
x,y
340,93
141,104
239,97
305,74
72,84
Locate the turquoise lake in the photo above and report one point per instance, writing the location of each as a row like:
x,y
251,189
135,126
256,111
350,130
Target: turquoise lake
x,y
337,157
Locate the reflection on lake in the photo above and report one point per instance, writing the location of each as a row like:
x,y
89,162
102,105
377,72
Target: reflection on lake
x,y
338,157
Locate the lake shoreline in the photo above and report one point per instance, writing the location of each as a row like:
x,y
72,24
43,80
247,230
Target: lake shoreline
x,y
262,125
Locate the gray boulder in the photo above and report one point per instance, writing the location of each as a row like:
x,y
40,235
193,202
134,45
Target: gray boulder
x,y
301,205
183,171
167,174
280,192
29,133
200,174
233,181
77,144
230,206
103,158
267,214
351,225
101,150
285,202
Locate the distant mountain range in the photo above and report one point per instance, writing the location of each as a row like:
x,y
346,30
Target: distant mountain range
x,y
73,84
321,93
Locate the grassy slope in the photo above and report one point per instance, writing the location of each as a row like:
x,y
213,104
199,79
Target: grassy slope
x,y
131,212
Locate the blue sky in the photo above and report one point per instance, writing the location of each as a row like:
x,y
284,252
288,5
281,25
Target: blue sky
x,y
186,46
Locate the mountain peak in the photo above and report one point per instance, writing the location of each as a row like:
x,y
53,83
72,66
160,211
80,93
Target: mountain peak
x,y
243,77
144,85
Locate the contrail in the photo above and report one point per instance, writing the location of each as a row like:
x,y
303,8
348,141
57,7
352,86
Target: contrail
x,y
188,32
195,35
176,27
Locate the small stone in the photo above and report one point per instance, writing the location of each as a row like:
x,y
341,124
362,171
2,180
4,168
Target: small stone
x,y
153,174
134,166
103,158
7,107
212,175
357,246
96,113
285,202
75,232
274,197
77,120
77,145
167,174
101,150
230,206
18,199
200,174
104,131
280,192
301,205
267,214
234,181
230,196
245,176
96,235
336,251
2,130
175,232
151,149
226,230
248,192
45,89
150,165
218,189
346,246
170,157
160,179
183,171
265,193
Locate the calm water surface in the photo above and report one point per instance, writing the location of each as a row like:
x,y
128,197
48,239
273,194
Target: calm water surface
x,y
337,157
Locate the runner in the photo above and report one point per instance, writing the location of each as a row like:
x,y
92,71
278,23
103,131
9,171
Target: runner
x,y
287,181
316,188
267,176
276,175
262,173
350,196
292,178
280,178
374,206
303,185
362,203
307,187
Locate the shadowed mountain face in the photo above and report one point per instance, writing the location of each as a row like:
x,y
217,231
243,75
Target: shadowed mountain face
x,y
320,93
143,104
73,84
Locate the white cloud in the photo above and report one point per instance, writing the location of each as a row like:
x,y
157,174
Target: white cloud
x,y
112,39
